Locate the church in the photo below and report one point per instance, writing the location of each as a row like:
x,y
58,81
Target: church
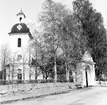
x,y
19,38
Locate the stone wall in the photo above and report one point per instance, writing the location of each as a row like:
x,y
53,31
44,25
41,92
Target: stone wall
x,y
38,87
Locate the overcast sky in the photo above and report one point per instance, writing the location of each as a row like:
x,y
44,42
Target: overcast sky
x,y
31,8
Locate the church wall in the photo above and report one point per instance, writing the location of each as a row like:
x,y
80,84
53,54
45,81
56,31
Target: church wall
x,y
14,42
24,52
18,69
27,69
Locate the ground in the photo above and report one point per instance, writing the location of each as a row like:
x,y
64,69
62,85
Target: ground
x,y
87,96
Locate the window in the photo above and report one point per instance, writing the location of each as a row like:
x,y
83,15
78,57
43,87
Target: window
x,y
19,42
20,19
19,57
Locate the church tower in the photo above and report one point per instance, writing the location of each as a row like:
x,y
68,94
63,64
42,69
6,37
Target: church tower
x,y
19,38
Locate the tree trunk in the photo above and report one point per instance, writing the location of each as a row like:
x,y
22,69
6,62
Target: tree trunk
x,y
36,73
29,64
55,69
12,72
9,73
43,74
67,73
3,75
23,72
29,73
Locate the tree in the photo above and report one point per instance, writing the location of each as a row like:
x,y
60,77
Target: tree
x,y
4,60
71,42
12,64
50,18
38,52
93,32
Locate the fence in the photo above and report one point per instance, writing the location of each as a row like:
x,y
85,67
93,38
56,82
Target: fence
x,y
6,82
38,87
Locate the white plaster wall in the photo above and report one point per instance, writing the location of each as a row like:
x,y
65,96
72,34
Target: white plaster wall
x,y
27,69
23,19
23,50
91,73
93,81
13,41
81,76
24,70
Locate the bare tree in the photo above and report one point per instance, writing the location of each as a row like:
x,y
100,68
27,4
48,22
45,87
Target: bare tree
x,y
4,59
13,65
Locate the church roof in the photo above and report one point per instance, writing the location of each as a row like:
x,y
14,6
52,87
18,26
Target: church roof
x,y
20,28
87,58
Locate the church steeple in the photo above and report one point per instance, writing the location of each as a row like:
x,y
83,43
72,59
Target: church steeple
x,y
21,16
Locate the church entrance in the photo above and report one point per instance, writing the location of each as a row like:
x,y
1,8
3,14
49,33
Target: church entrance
x,y
19,76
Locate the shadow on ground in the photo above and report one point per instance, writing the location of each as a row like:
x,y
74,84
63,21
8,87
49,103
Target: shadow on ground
x,y
77,104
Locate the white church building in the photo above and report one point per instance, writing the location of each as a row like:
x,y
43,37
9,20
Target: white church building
x,y
19,38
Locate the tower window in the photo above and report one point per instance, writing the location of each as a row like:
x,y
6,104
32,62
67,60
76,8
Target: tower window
x,y
19,42
20,19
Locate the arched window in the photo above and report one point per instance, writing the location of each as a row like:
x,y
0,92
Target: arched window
x,y
19,57
19,42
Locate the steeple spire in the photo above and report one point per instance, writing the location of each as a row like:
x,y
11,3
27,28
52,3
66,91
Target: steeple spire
x,y
21,16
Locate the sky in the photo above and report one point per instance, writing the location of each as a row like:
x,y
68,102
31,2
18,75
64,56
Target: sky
x,y
32,8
